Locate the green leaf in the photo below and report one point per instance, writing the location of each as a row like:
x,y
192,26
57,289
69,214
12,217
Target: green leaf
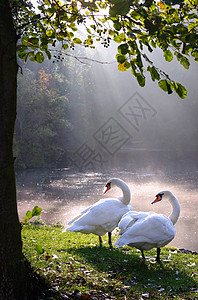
x,y
88,41
25,219
141,79
27,216
22,55
139,61
185,62
127,65
48,53
120,38
30,214
51,10
166,86
39,249
168,55
32,58
181,29
65,46
194,53
154,74
180,90
39,57
36,211
119,7
123,49
77,41
120,58
49,32
117,26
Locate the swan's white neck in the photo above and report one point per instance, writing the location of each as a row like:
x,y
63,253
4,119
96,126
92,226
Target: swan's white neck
x,y
125,189
176,208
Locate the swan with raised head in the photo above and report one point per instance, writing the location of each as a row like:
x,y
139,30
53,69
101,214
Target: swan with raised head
x,y
104,215
147,230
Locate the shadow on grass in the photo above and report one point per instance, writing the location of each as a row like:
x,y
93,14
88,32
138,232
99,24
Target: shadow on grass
x,y
129,268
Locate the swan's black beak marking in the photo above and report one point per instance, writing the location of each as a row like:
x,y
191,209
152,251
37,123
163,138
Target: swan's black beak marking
x,y
158,198
108,187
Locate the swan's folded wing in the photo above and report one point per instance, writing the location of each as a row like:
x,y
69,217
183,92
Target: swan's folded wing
x,y
102,213
163,231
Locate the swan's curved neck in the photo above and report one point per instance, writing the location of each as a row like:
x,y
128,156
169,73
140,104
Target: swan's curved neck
x,y
176,209
125,189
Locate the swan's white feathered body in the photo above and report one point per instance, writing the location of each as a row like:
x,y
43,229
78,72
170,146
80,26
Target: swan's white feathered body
x,y
100,218
104,215
147,230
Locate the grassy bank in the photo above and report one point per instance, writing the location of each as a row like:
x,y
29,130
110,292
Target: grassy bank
x,y
75,267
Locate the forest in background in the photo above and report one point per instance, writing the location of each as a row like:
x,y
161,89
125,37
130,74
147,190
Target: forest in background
x,y
45,95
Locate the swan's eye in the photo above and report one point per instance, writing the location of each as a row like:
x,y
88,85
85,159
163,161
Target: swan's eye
x,y
159,196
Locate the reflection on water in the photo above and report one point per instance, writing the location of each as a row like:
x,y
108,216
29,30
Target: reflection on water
x,y
63,193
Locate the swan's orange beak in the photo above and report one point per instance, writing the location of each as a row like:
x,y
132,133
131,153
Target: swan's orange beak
x,y
107,188
158,198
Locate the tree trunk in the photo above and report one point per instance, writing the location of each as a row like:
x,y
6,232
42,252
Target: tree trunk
x,y
13,283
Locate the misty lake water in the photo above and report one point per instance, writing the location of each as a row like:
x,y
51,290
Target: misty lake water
x,y
63,193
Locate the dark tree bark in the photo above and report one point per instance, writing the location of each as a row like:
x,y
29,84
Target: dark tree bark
x,y
13,284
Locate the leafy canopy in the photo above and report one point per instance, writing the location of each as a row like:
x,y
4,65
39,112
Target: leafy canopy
x,y
137,26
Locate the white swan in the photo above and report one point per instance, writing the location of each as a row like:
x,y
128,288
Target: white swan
x,y
147,230
104,215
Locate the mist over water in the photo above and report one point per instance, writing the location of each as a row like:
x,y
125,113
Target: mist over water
x,y
121,125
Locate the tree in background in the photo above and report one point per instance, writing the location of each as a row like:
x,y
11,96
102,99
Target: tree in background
x,y
42,118
137,27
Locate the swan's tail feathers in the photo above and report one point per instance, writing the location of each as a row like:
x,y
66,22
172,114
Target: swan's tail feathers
x,y
120,243
68,229
75,228
71,228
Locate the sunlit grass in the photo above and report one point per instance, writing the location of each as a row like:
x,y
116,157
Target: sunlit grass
x,y
74,264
